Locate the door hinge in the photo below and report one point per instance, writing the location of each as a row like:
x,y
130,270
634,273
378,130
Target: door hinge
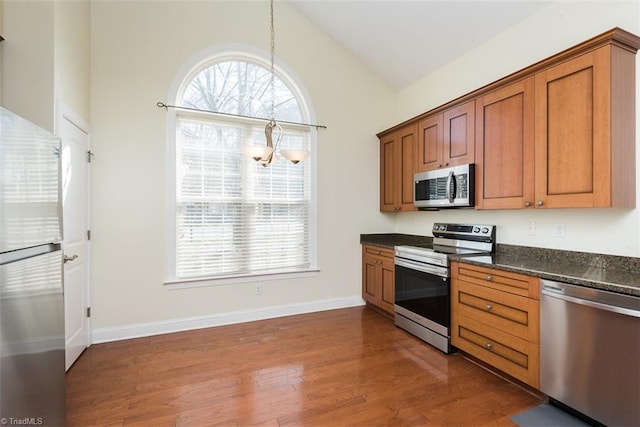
x,y
89,156
88,234
88,311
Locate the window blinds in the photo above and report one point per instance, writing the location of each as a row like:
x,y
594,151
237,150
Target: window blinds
x,y
233,216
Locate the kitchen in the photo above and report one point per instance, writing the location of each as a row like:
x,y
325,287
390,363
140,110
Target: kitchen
x,y
135,51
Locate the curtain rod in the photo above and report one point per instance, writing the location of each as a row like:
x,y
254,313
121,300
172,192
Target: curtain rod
x,y
165,106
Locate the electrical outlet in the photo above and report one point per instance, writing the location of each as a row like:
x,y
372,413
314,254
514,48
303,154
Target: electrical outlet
x,y
531,228
259,289
559,230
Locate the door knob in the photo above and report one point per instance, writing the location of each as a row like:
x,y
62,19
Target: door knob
x,y
67,258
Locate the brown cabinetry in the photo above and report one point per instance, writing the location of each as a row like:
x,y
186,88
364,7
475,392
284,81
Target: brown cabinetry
x,y
397,166
557,134
447,138
496,318
378,277
505,147
585,120
562,138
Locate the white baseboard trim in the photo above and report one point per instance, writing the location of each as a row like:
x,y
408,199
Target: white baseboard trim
x,y
140,330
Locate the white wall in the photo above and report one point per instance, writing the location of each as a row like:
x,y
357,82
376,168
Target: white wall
x,y
137,49
27,63
45,58
72,55
555,28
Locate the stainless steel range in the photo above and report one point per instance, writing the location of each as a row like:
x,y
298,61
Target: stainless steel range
x,y
422,279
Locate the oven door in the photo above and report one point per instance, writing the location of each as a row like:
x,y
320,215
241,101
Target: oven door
x,y
425,294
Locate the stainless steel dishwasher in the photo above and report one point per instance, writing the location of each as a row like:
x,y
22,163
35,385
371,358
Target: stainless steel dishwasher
x,y
590,351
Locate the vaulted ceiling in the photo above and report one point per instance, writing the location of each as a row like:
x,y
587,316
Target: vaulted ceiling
x,y
402,41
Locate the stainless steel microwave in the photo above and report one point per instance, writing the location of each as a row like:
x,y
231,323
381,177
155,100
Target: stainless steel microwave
x,y
445,188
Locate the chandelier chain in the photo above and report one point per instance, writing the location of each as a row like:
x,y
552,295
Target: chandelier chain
x,y
273,48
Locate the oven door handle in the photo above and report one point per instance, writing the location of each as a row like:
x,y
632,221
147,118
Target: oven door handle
x,y
425,268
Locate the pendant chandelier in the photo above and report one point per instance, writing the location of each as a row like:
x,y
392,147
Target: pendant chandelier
x,y
266,154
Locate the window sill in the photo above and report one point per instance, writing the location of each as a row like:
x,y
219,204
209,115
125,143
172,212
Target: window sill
x,y
200,282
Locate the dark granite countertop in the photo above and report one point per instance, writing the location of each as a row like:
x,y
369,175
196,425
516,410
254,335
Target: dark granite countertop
x,y
605,272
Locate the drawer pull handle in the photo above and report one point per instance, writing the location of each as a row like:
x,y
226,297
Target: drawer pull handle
x,y
488,307
488,346
489,278
376,252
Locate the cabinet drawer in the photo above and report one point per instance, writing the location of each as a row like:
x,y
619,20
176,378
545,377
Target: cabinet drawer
x,y
512,355
513,314
514,283
379,252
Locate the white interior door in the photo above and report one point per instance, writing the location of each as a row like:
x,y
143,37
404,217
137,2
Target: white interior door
x,y
75,188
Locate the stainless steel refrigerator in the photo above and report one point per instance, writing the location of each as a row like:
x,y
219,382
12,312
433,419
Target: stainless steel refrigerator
x,y
32,343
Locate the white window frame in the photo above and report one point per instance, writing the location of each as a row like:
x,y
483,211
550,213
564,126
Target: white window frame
x,y
187,72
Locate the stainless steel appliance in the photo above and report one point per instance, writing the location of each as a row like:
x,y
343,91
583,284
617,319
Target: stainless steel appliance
x,y
32,368
445,188
422,279
590,351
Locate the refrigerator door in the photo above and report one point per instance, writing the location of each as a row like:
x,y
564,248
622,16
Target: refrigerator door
x,y
30,202
32,375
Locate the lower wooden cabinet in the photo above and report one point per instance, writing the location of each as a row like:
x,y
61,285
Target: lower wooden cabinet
x,y
496,318
378,277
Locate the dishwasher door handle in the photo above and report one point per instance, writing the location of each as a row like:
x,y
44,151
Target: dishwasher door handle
x,y
552,292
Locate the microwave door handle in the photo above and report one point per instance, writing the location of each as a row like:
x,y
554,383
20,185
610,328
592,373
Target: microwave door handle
x,y
451,187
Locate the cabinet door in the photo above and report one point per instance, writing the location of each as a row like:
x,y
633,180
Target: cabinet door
x,y
459,135
430,140
572,148
397,166
388,179
388,286
370,283
505,147
407,137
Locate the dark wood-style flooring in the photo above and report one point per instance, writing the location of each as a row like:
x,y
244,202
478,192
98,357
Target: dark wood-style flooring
x,y
347,367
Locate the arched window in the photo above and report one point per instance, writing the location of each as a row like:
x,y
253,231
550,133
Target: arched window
x,y
233,216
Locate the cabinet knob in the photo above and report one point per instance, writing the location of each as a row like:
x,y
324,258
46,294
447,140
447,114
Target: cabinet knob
x,y
488,346
446,164
489,278
488,307
439,166
539,203
527,204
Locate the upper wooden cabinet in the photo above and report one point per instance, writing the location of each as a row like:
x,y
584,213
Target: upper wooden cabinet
x,y
446,139
562,138
505,147
585,131
397,166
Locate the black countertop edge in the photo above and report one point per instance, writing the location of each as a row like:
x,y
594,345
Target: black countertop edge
x,y
389,240
612,273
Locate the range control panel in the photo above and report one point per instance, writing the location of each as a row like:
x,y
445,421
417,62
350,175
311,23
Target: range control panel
x,y
484,232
